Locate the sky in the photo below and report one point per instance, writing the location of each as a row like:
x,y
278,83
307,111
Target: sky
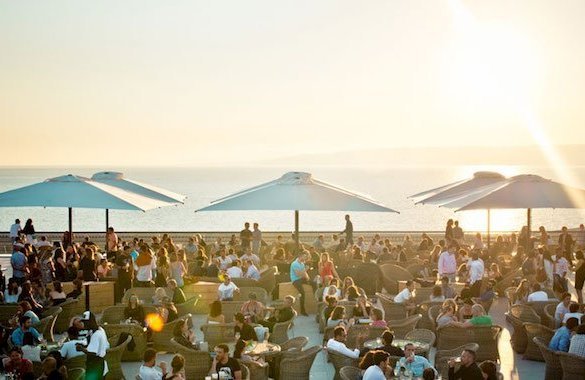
x,y
219,82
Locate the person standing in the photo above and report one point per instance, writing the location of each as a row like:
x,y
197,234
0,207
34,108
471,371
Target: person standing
x,y
476,270
15,230
580,237
96,365
256,240
299,277
348,231
566,242
246,237
458,235
19,264
447,264
579,275
111,243
29,231
449,231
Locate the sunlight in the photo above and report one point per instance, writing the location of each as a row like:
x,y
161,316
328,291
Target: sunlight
x,y
501,220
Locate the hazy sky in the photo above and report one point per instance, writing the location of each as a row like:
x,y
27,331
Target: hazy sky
x,y
197,82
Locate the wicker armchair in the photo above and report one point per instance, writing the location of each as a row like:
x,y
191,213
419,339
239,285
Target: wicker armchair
x,y
549,312
423,294
137,332
487,337
508,280
75,373
297,365
392,310
442,357
46,326
6,312
113,314
257,371
433,314
553,369
510,294
391,274
162,339
75,362
245,291
198,362
517,315
217,333
539,306
114,358
533,330
188,307
143,294
280,332
294,344
422,335
354,331
230,308
339,361
70,309
403,326
350,373
423,309
573,366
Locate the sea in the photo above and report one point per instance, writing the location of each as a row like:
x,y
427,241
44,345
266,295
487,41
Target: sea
x,y
390,185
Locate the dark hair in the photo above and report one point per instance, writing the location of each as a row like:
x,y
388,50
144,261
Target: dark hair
x,y
57,286
387,337
536,287
23,319
574,307
240,345
149,354
380,356
239,317
25,306
16,349
470,352
91,323
73,332
28,339
437,291
215,309
337,312
338,331
489,368
178,362
572,323
579,255
224,348
429,374
367,361
178,327
580,329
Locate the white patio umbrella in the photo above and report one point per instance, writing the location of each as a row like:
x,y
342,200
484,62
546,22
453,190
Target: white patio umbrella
x,y
525,191
118,180
441,196
73,191
297,191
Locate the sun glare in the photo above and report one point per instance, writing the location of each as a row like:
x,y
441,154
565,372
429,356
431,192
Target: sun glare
x,y
467,171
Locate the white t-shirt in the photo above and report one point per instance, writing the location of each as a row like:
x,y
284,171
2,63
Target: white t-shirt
x,y
572,315
403,296
14,230
561,309
235,272
144,273
68,349
224,263
374,373
340,347
98,344
538,296
150,373
476,269
32,353
226,291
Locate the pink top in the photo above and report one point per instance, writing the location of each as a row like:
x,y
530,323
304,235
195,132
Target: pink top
x,y
380,323
447,263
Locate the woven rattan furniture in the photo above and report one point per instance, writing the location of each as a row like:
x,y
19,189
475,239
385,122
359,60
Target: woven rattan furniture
x,y
403,326
197,363
6,312
533,330
70,308
280,332
422,335
230,308
244,294
539,307
162,339
257,371
433,314
370,332
487,337
553,369
297,365
139,337
549,312
517,315
442,357
573,366
46,326
75,373
350,373
508,280
75,362
391,274
392,310
423,309
217,333
339,361
188,307
114,358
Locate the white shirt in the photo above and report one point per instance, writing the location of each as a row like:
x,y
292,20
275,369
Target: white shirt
x,y
250,256
224,263
150,373
235,272
253,273
572,315
45,243
476,269
226,291
12,298
374,372
403,296
98,344
144,273
68,349
32,353
14,229
560,310
538,296
340,347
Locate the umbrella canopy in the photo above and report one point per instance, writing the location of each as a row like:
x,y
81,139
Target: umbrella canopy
x,y
118,180
297,191
76,192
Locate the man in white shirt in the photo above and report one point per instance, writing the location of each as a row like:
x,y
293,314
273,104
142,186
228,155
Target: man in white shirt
x,y
562,309
447,264
226,289
69,350
15,230
224,260
149,370
43,242
537,294
337,343
377,371
476,270
96,348
250,256
251,270
235,271
406,296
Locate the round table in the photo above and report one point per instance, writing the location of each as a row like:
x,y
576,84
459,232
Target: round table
x,y
264,349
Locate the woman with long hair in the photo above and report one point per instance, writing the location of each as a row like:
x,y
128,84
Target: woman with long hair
x,y
178,267
144,266
215,313
60,265
134,311
163,268
184,335
326,267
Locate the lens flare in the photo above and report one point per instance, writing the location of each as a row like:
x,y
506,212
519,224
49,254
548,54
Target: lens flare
x,y
155,322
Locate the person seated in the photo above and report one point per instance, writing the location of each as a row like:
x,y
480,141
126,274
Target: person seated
x,y
134,312
250,270
387,340
178,294
57,295
285,313
77,291
489,370
68,349
12,291
537,294
377,318
494,273
177,368
352,293
331,302
362,308
406,297
149,370
235,270
17,365
561,340
562,308
215,313
577,346
468,368
184,335
168,310
414,363
103,269
332,289
253,309
224,366
159,295
378,367
446,316
337,317
226,289
242,327
245,358
479,318
213,269
26,310
25,326
573,312
437,294
30,350
489,294
50,370
337,343
465,310
447,289
463,273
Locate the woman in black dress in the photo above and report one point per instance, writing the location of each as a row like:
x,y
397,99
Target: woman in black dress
x,y
579,275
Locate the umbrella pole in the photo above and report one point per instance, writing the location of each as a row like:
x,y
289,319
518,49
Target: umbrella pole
x,y
488,228
297,228
70,223
528,221
107,225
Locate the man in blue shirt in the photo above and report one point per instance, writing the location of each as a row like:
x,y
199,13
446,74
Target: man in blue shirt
x,y
299,276
562,338
19,264
25,326
414,363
